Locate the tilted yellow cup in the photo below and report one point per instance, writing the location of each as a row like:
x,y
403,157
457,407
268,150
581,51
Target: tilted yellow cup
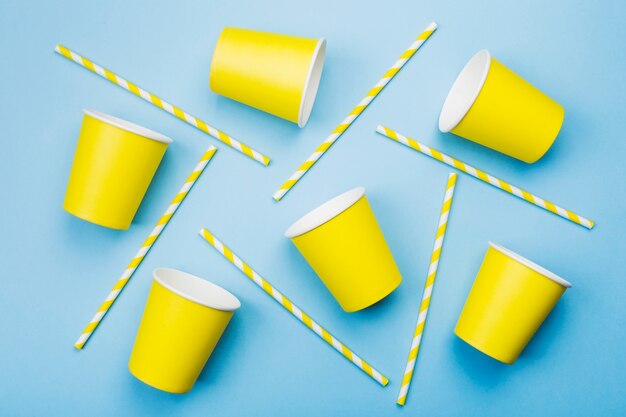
x,y
278,74
343,243
114,163
184,319
491,105
509,300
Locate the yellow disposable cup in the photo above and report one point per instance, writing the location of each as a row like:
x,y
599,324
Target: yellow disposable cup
x,y
278,74
343,243
509,300
184,319
491,105
114,163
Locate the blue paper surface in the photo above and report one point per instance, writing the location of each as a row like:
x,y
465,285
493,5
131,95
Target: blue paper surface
x,y
56,269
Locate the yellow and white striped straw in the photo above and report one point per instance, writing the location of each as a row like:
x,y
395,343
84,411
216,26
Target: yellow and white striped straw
x,y
428,290
162,104
345,124
484,177
145,247
293,309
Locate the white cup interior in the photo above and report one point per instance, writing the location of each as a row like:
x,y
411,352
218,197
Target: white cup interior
x,y
312,82
196,289
325,212
531,265
464,91
128,126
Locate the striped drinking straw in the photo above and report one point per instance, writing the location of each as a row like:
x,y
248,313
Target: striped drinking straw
x,y
145,247
162,104
345,124
484,177
293,309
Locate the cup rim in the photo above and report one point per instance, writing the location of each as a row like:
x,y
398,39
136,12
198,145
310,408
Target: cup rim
x,y
459,100
312,82
530,264
196,289
127,126
324,213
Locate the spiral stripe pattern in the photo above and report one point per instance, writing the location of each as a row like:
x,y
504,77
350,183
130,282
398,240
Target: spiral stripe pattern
x,y
145,247
486,178
293,309
162,104
345,124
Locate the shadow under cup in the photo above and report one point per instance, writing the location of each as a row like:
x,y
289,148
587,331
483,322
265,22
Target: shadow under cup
x,y
184,319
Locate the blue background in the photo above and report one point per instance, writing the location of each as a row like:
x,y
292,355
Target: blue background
x,y
56,269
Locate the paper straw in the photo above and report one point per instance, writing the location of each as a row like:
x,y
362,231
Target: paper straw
x,y
293,309
145,247
345,124
428,290
484,177
162,104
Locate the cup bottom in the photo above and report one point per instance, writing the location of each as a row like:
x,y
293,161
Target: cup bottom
x,y
93,219
484,350
376,299
156,385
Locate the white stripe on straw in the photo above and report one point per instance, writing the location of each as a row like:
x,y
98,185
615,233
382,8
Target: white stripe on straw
x,y
162,104
293,309
484,177
428,290
345,124
145,247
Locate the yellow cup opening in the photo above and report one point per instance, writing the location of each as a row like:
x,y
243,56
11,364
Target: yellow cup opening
x,y
530,264
464,91
324,213
127,126
312,83
196,289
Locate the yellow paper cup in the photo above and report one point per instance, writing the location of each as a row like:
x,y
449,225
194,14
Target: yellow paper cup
x,y
278,74
343,243
509,300
491,105
184,319
114,163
